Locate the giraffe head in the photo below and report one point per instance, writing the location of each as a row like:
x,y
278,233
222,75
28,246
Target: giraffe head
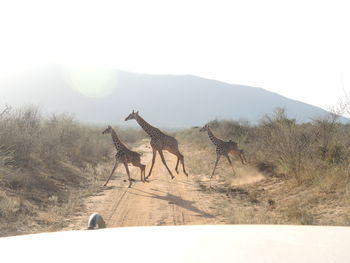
x,y
205,128
132,115
108,130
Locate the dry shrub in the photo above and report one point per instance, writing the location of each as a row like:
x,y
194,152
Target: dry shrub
x,y
307,159
198,161
64,139
297,214
28,138
48,163
131,136
279,146
12,207
243,214
193,137
6,161
284,143
19,132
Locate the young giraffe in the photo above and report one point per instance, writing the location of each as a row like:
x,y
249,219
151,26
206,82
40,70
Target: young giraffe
x,y
125,156
159,142
224,148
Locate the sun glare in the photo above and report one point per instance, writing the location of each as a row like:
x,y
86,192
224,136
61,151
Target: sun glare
x,y
92,82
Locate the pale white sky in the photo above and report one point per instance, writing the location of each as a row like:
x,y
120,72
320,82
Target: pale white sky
x,y
299,48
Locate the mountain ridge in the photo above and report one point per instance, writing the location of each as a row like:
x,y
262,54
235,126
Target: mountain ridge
x,y
174,101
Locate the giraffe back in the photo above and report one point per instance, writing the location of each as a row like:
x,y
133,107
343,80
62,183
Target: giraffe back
x,y
231,146
222,147
168,142
128,156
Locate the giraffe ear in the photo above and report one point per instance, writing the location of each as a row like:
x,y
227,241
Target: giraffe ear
x,y
137,112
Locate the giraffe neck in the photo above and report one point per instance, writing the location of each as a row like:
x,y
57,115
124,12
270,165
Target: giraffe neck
x,y
148,128
117,143
212,137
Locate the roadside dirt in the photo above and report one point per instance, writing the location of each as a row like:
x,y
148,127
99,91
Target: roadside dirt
x,y
247,198
161,201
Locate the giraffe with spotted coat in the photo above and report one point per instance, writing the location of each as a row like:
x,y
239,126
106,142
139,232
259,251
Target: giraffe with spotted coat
x,y
125,156
159,142
224,148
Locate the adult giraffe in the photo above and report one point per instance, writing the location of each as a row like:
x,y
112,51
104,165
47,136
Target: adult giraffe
x,y
159,142
224,148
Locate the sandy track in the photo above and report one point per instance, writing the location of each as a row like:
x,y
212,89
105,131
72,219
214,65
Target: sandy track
x,y
162,201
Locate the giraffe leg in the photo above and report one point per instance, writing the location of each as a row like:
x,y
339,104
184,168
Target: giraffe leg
x,y
163,160
242,160
229,160
137,162
143,168
127,171
243,157
216,163
115,166
182,159
177,164
153,160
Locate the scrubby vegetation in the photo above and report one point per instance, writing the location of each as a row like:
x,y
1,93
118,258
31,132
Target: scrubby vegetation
x,y
306,167
47,164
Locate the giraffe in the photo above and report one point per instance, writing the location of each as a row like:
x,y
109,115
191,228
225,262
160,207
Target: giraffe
x,y
224,148
125,156
159,142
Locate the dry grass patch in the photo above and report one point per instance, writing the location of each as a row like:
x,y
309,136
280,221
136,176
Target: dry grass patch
x,y
48,165
297,173
250,197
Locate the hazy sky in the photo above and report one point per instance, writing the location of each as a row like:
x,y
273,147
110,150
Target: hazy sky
x,y
300,49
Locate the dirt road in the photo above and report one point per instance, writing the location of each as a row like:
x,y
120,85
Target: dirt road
x,y
161,201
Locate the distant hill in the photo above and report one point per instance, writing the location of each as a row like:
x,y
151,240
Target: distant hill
x,y
163,100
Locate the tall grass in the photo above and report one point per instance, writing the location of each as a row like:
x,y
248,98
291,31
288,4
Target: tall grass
x,y
281,145
312,159
47,163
